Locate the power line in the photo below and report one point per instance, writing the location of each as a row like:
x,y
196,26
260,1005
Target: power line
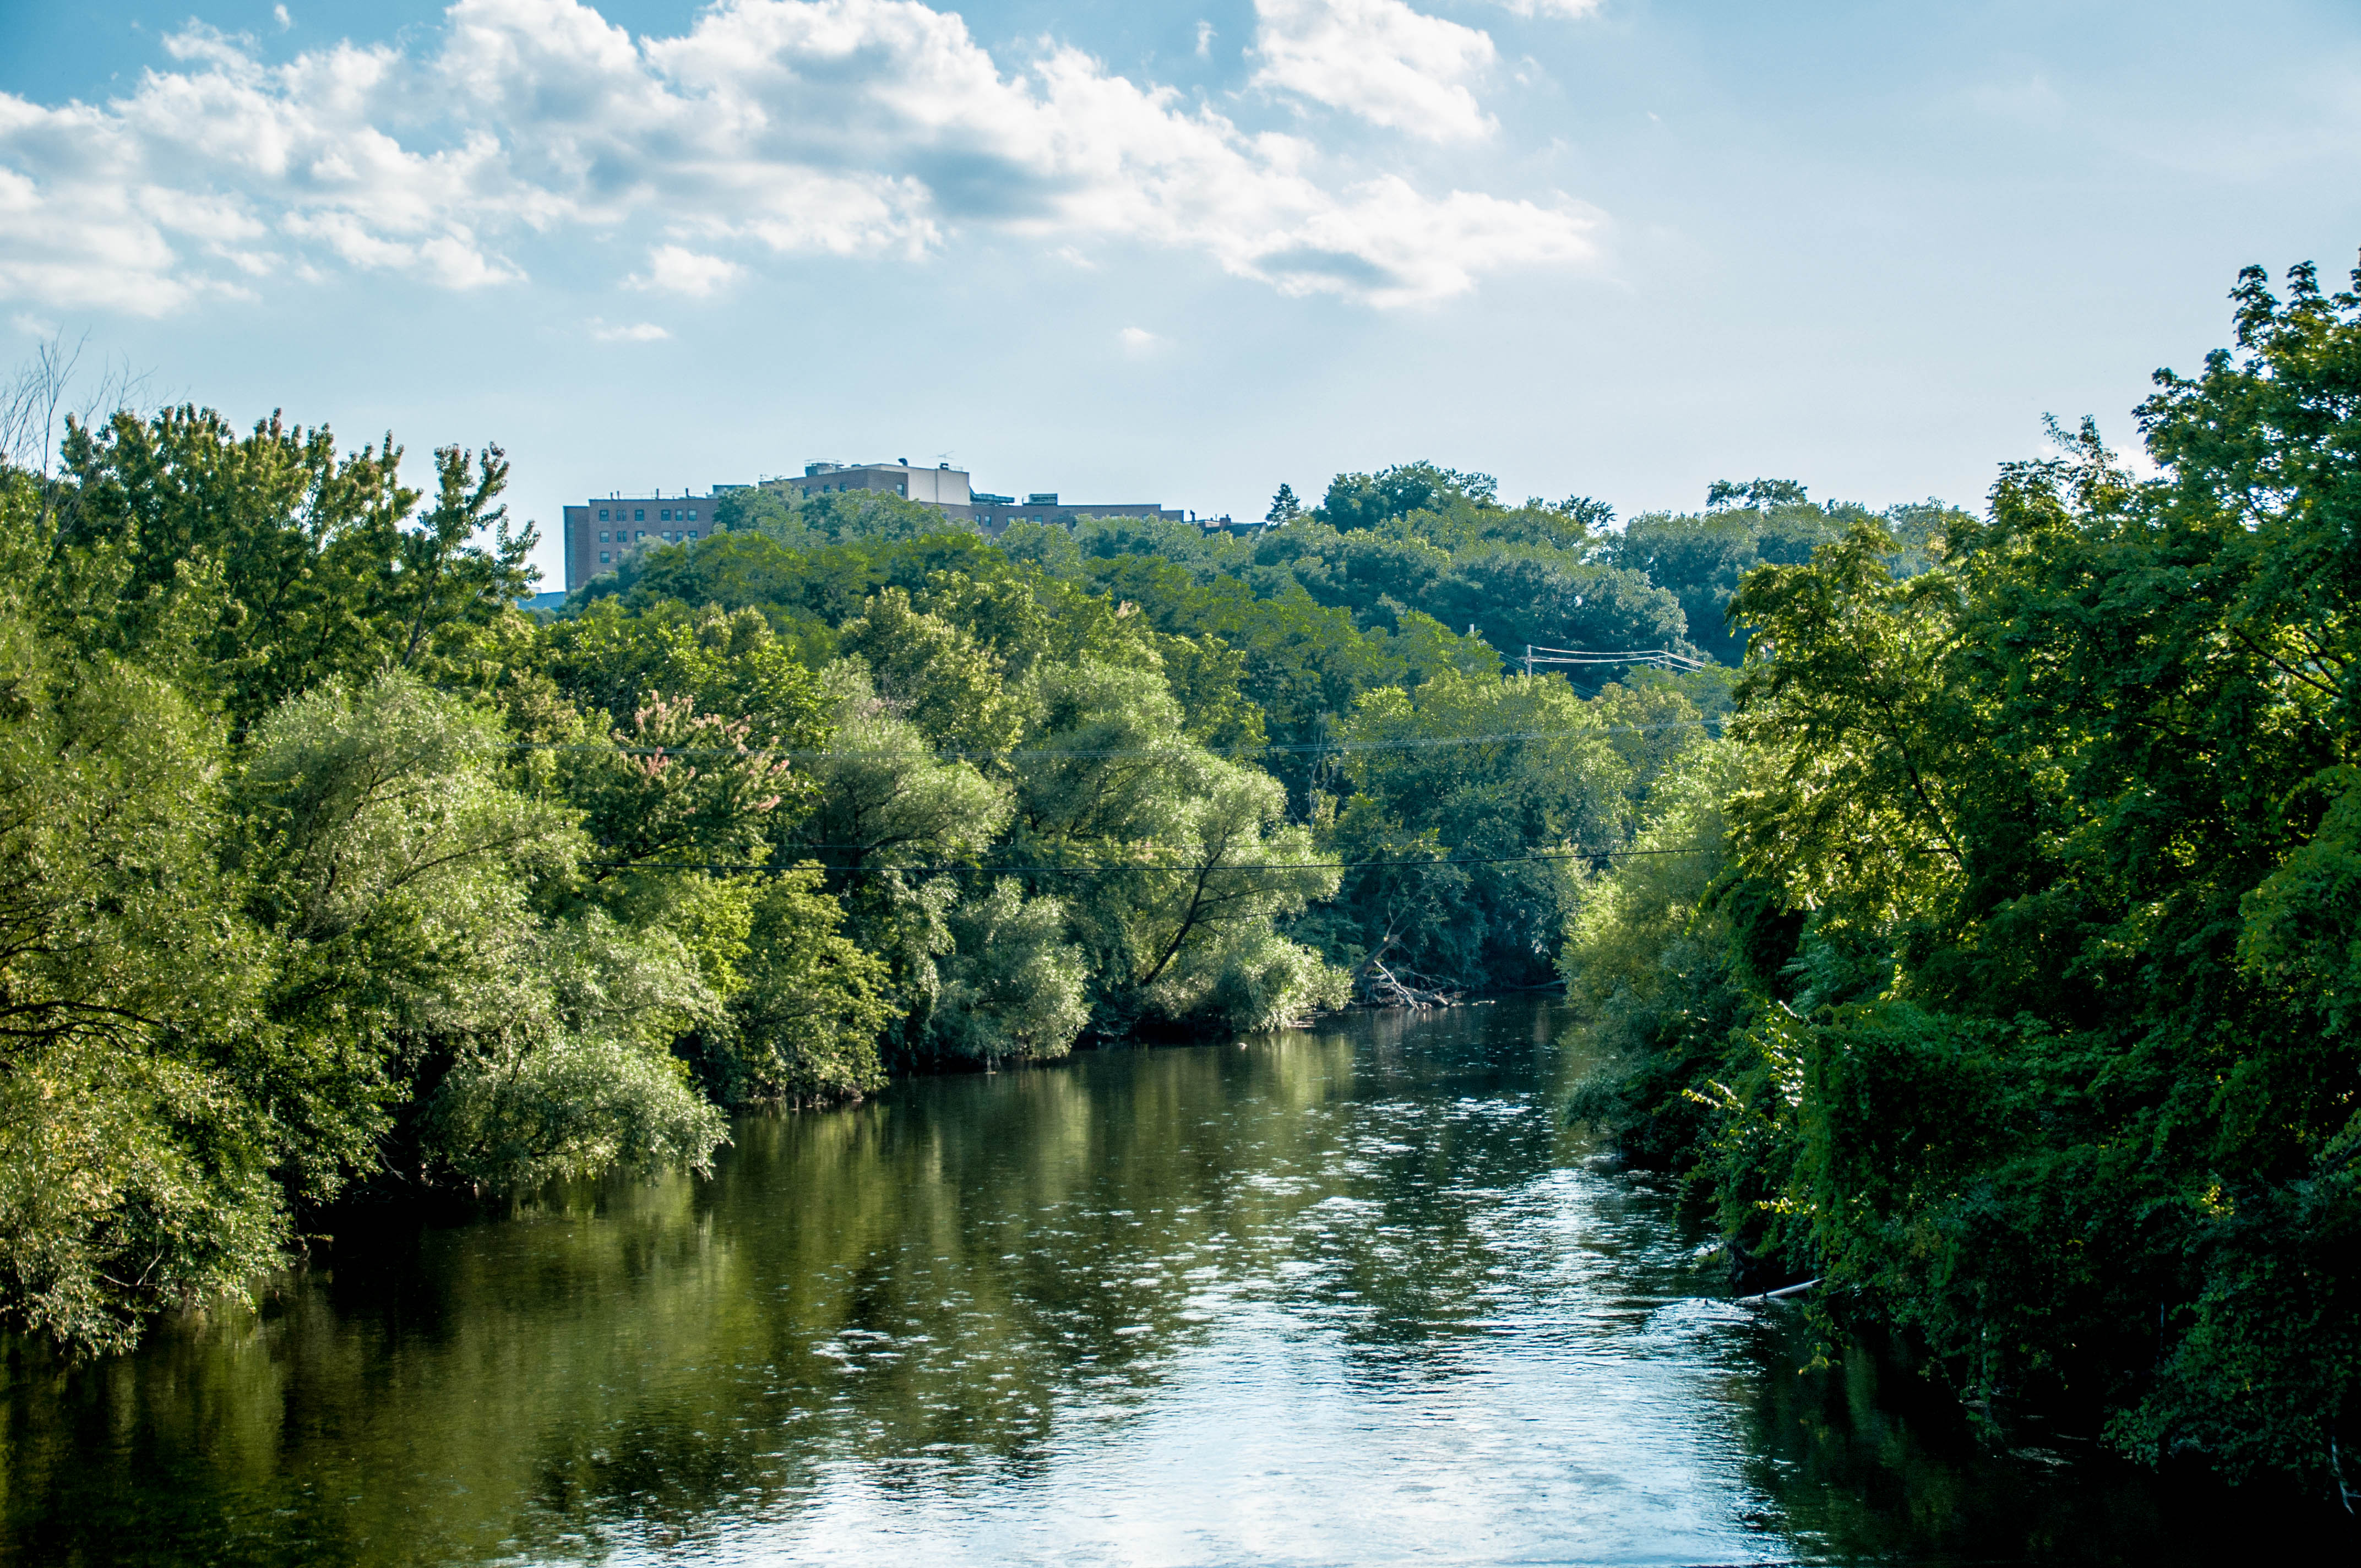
x,y
831,754
1145,866
1659,658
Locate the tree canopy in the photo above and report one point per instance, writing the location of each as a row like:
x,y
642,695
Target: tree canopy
x,y
2017,1002
1968,912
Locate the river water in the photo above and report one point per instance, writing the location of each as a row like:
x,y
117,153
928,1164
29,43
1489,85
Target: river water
x,y
1349,1294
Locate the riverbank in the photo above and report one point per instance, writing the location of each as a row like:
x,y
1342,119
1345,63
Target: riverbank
x,y
1352,1293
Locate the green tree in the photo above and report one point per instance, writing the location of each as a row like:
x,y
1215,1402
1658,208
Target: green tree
x,y
1859,717
951,687
1699,560
308,564
582,1079
1588,511
1365,501
2042,899
394,866
1759,494
1463,778
887,817
1184,860
1541,598
884,801
1651,970
728,663
151,1121
806,1026
1049,545
1016,989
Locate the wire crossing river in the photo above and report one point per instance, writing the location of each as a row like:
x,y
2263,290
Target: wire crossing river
x,y
1351,1295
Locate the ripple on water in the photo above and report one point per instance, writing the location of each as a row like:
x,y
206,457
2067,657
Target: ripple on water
x,y
1345,1296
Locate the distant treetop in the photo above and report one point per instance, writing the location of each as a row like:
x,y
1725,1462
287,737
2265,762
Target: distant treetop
x,y
1762,495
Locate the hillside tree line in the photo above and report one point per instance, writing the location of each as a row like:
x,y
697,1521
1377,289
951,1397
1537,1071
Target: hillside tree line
x,y
1977,931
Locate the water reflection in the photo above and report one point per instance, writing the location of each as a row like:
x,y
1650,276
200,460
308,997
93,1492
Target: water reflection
x,y
1345,1295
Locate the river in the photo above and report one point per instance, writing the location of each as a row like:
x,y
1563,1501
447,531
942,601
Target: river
x,y
1349,1294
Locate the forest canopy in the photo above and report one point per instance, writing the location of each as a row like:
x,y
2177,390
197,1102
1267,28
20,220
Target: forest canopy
x,y
2016,999
1966,909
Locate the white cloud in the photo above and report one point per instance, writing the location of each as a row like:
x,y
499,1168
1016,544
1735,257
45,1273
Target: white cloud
x,y
1569,8
1391,246
279,12
676,269
1204,41
777,128
1376,59
638,331
1138,343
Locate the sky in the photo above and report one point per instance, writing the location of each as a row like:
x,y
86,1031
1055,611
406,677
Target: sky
x,y
1172,251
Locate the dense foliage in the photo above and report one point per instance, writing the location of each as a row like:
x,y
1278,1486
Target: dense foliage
x,y
1978,930
2014,995
331,875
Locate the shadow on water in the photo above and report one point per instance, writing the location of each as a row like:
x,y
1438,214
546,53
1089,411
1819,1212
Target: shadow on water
x,y
1352,1294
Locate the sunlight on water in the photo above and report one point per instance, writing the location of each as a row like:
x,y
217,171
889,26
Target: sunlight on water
x,y
1352,1295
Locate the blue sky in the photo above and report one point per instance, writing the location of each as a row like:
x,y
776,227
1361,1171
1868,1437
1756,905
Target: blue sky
x,y
1172,251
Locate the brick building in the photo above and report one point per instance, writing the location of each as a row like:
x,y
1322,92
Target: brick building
x,y
600,533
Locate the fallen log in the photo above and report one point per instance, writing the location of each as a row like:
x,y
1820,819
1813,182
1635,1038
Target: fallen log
x,y
1388,989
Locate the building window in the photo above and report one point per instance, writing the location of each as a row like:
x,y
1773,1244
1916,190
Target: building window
x,y
641,534
602,536
640,515
692,516
692,533
604,557
602,514
665,516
